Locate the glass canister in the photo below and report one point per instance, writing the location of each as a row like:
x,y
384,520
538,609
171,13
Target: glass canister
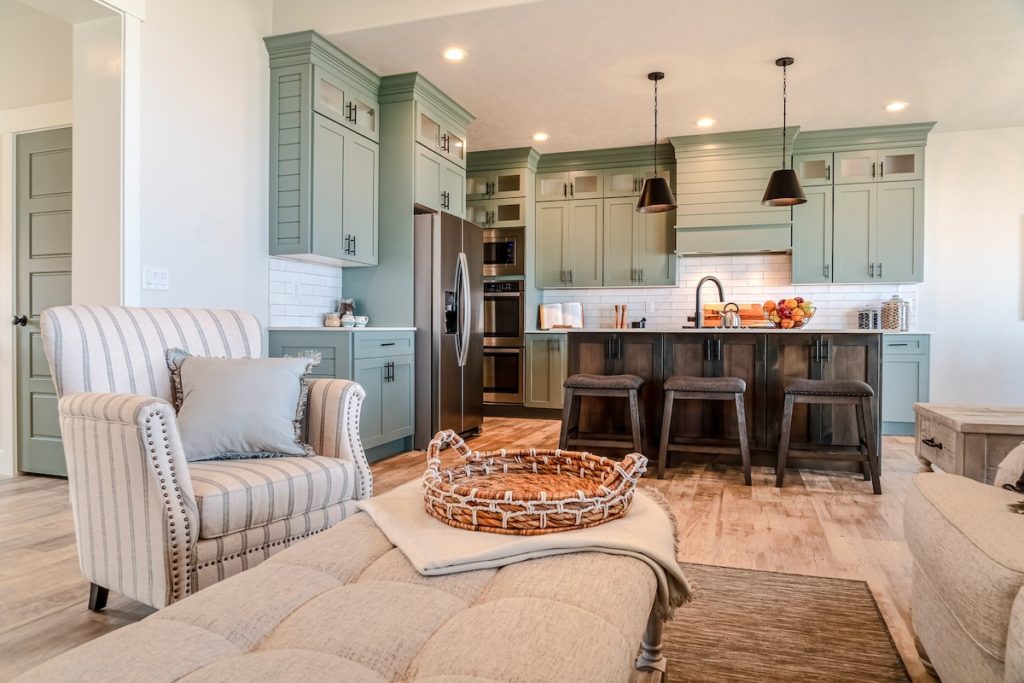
x,y
869,319
896,314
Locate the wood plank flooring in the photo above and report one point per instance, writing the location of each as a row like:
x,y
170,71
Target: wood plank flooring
x,y
822,524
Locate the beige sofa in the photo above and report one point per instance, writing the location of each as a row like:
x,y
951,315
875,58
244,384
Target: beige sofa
x,y
346,605
968,595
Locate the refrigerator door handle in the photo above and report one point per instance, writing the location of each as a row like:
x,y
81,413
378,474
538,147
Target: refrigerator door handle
x,y
465,308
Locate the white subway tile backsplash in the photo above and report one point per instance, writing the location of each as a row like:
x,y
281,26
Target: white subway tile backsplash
x,y
746,279
301,292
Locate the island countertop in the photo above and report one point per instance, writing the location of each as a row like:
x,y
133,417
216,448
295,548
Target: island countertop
x,y
719,330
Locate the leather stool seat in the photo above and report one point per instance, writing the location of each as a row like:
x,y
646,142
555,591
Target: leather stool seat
x,y
717,385
584,381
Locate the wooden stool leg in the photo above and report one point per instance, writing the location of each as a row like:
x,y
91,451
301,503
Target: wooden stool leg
x,y
741,425
567,411
666,432
634,421
865,466
874,458
787,425
645,444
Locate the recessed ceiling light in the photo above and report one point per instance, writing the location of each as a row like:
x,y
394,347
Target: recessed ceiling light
x,y
896,106
705,122
540,137
454,54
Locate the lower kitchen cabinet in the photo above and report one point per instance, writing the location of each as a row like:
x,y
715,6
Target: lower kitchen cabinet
x,y
545,370
381,362
905,380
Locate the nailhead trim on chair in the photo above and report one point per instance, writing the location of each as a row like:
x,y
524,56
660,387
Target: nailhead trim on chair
x,y
179,588
258,548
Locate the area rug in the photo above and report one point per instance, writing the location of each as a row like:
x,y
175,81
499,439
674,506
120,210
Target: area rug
x,y
761,626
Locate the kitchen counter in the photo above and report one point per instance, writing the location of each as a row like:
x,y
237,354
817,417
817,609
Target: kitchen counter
x,y
341,329
765,358
720,330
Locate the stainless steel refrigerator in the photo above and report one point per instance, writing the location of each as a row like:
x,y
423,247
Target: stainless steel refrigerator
x,y
449,316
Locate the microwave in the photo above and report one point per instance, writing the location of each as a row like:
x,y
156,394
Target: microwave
x,y
504,251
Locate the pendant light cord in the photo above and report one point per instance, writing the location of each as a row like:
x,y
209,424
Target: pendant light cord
x,y
654,147
783,116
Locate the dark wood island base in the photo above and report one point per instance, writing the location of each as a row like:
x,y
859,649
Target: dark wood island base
x,y
764,359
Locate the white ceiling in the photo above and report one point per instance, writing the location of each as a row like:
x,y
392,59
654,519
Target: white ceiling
x,y
577,68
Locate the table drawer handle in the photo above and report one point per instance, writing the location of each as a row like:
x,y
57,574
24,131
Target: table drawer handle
x,y
931,443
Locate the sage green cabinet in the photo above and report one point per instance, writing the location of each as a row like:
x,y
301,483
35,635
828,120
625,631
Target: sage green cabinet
x,y
440,136
496,184
628,182
879,165
381,362
562,185
879,232
637,246
546,358
905,380
813,169
440,184
570,243
324,154
812,236
497,213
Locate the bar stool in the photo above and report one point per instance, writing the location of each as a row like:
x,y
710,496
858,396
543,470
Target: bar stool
x,y
681,388
837,393
611,386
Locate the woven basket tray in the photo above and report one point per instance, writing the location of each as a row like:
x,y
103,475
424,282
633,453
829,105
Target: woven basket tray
x,y
527,492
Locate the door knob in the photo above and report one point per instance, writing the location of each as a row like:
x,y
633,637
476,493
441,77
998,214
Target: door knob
x,y
19,320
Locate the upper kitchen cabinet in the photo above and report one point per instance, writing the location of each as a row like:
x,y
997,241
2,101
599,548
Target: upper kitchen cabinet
x,y
324,154
418,175
558,186
569,250
638,247
498,213
864,217
439,134
721,178
503,184
628,182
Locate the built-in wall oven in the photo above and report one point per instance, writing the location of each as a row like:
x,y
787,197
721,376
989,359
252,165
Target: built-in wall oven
x,y
504,252
504,371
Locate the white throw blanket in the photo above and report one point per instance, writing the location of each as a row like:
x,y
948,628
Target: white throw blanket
x,y
647,532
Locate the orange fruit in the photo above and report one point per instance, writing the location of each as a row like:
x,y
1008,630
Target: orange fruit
x,y
787,324
769,306
791,303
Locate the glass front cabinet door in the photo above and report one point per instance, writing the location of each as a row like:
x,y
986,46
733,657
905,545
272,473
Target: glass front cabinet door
x,y
901,164
813,169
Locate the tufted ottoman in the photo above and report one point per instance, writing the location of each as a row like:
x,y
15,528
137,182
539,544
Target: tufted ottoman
x,y
346,605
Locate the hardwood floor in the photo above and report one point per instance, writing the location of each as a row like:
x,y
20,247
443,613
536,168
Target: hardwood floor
x,y
822,524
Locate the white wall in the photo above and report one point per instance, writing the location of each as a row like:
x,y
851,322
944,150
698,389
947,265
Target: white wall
x,y
204,152
35,61
96,163
973,295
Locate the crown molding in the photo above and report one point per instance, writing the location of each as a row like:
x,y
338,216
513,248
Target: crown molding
x,y
291,49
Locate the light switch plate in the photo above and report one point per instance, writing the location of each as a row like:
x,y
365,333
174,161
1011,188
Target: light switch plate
x,y
156,277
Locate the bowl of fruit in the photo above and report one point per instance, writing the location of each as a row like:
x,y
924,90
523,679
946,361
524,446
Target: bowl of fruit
x,y
789,314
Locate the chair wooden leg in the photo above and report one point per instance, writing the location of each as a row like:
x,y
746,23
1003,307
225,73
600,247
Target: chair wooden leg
x,y
666,433
741,426
865,466
97,597
787,425
874,459
567,411
634,422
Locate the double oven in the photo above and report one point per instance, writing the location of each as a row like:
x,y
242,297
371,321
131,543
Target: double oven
x,y
504,341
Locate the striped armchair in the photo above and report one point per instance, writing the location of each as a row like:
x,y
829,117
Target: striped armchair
x,y
149,524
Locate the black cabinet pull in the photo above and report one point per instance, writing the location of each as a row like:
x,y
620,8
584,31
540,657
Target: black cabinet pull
x,y
872,169
354,248
608,348
618,349
387,343
572,189
828,172
881,169
903,344
931,443
565,190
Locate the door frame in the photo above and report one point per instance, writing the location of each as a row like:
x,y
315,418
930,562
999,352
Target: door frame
x,y
124,184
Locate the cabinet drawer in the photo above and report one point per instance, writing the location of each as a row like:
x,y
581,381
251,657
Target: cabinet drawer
x,y
382,344
943,451
328,362
904,344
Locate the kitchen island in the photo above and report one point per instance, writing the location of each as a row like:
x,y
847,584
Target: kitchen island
x,y
763,358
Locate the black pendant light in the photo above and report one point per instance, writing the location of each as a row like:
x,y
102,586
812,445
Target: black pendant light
x,y
656,196
783,187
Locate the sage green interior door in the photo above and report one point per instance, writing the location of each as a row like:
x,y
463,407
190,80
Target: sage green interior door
x,y
620,220
552,228
43,248
854,219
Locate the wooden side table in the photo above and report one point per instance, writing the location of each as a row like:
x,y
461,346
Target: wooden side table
x,y
967,440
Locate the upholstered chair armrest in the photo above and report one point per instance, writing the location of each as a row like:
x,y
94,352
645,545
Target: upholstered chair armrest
x,y
333,409
1014,665
131,496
